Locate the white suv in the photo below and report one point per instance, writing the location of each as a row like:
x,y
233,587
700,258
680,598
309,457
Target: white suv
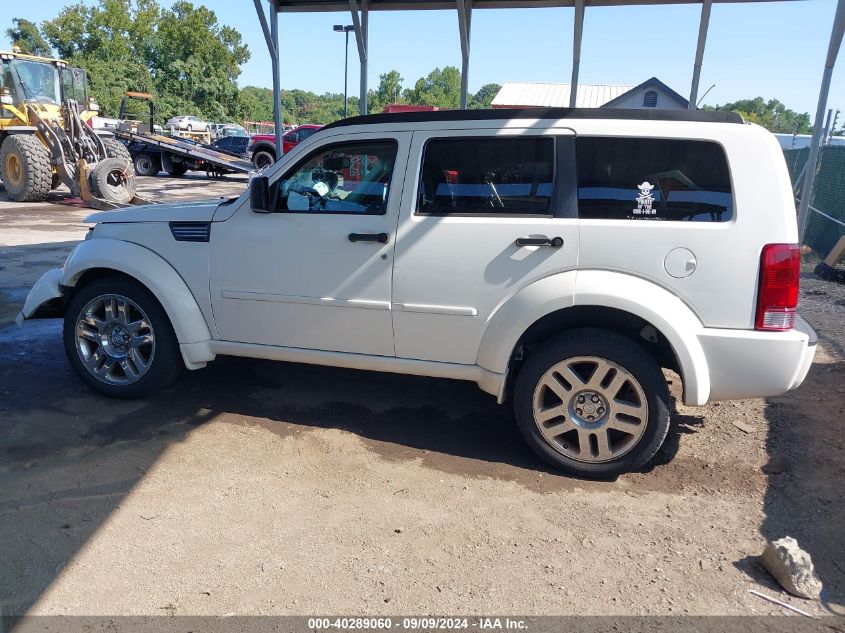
x,y
559,258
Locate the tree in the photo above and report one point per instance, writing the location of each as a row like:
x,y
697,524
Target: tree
x,y
441,88
26,36
389,90
771,114
485,95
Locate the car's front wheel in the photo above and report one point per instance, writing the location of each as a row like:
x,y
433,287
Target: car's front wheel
x,y
593,403
119,339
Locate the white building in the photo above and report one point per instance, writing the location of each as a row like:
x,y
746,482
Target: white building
x,y
652,93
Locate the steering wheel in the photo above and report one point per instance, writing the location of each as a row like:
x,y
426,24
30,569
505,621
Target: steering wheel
x,y
314,197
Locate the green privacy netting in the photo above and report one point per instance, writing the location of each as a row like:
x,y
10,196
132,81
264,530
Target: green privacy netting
x,y
828,195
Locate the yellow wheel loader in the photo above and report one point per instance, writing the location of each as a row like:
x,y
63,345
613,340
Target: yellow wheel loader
x,y
46,138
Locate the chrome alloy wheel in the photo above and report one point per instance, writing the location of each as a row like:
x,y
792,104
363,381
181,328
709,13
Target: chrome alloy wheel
x,y
590,409
115,340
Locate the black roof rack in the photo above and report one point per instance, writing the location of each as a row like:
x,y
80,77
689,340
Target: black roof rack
x,y
705,116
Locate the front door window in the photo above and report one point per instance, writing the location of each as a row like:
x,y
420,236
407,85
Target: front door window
x,y
347,178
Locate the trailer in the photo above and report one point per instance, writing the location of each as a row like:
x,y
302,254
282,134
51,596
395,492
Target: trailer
x,y
152,153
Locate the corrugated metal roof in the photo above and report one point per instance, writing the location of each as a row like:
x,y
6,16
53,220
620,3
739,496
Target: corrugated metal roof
x,y
515,94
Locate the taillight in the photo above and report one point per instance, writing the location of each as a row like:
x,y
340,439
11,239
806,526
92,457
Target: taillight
x,y
777,298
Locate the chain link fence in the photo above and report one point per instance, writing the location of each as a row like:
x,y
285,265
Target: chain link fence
x,y
826,221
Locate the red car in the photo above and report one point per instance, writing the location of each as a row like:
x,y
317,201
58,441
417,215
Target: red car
x,y
263,146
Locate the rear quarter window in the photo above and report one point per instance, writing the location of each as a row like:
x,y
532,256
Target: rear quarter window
x,y
653,179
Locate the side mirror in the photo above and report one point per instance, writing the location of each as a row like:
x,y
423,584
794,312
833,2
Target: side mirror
x,y
259,194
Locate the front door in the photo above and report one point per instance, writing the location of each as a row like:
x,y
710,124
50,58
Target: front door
x,y
316,274
485,213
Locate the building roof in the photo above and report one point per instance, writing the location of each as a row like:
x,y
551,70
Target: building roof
x,y
647,114
515,94
654,82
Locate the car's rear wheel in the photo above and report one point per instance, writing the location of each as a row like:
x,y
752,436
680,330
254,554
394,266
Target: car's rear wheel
x,y
593,403
119,340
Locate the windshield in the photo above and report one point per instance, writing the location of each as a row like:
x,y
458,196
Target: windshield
x,y
37,81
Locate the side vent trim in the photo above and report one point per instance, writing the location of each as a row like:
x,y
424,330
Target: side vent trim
x,y
191,231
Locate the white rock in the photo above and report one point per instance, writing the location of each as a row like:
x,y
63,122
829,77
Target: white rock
x,y
792,567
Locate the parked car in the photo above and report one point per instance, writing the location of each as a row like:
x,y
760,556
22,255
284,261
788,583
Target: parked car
x,y
561,259
188,123
233,130
263,147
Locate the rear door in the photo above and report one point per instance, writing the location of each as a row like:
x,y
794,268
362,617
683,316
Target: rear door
x,y
484,213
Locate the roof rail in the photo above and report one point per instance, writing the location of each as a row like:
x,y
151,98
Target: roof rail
x,y
646,114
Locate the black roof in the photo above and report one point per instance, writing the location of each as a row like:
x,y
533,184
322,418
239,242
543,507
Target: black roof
x,y
646,114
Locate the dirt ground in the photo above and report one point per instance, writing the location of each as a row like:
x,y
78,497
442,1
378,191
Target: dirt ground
x,y
254,487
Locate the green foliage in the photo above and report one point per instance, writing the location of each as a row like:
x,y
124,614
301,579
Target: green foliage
x,y
441,88
26,36
485,95
181,54
191,63
771,114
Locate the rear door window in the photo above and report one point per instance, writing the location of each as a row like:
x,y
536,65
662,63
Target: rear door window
x,y
487,176
653,179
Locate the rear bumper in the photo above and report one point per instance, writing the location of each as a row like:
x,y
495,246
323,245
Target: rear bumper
x,y
752,364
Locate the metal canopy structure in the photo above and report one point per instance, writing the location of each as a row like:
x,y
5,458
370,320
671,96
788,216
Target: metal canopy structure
x,y
359,10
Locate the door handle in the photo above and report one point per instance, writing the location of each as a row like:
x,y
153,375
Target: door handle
x,y
383,238
554,242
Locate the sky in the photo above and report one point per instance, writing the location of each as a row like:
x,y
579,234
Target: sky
x,y
774,50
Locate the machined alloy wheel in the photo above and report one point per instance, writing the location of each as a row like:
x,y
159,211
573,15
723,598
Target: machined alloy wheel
x,y
592,402
115,339
119,339
590,409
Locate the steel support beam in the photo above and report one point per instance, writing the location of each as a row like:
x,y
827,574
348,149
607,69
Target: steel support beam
x,y
360,20
465,29
818,125
271,37
277,86
699,52
578,31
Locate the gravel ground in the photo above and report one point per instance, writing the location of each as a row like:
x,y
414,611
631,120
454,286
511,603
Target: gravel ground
x,y
254,487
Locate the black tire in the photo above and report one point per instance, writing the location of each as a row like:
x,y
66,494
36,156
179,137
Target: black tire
x,y
262,158
147,164
116,149
113,179
178,169
190,128
608,346
56,182
25,168
166,362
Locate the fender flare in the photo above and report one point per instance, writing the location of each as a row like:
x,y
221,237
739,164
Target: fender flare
x,y
152,271
264,146
637,296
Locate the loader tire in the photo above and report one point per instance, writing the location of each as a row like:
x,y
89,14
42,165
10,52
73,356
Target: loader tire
x,y
113,179
25,168
116,149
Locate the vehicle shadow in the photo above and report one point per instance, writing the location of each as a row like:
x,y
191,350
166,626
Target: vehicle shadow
x,y
69,457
